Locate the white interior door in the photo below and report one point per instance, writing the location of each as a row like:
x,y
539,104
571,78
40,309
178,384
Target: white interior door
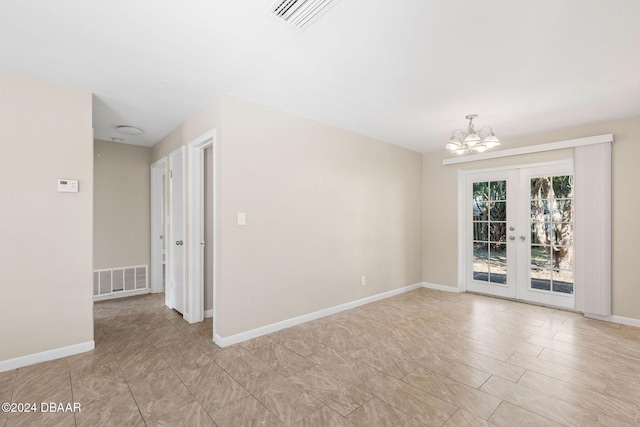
x,y
176,230
158,174
519,234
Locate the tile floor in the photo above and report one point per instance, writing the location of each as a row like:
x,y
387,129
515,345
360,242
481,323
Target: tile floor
x,y
421,358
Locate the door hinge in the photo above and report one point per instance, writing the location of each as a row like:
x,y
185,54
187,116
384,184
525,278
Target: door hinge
x,y
171,173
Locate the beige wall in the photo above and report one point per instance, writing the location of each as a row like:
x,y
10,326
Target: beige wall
x,y
121,205
440,206
324,206
202,122
45,243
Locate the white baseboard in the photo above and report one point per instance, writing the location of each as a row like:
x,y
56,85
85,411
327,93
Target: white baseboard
x,y
274,327
123,294
440,287
56,353
629,321
205,314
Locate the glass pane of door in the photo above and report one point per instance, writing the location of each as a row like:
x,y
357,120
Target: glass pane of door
x,y
551,214
489,225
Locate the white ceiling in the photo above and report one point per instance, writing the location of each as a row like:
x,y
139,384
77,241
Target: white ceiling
x,y
405,72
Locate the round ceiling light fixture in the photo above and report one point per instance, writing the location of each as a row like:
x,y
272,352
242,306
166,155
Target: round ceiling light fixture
x,y
129,130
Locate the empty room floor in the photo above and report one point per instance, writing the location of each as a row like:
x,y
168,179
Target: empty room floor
x,y
421,358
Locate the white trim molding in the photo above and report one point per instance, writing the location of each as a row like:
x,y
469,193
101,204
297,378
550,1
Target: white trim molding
x,y
45,356
274,327
462,232
629,321
559,145
443,288
196,238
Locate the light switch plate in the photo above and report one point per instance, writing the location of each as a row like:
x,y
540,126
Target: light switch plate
x,y
242,218
67,186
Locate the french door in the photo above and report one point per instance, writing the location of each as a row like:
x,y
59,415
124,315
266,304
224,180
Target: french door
x,y
519,234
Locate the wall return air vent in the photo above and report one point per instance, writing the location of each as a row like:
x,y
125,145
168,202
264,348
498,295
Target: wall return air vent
x,y
300,13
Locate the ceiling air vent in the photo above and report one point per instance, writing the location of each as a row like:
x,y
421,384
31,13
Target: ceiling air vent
x,y
300,13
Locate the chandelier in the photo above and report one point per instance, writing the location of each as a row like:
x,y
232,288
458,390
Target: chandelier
x,y
471,141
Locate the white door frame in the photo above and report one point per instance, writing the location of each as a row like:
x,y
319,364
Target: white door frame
x,y
158,172
463,223
196,225
168,291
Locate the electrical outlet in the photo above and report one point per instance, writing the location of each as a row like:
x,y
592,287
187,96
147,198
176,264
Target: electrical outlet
x,y
363,280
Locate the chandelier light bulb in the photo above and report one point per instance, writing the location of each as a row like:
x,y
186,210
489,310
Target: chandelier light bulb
x,y
472,139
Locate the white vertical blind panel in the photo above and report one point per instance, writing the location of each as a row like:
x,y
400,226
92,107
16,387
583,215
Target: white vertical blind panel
x,y
592,228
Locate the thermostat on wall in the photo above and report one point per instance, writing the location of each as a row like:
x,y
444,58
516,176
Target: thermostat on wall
x,y
67,186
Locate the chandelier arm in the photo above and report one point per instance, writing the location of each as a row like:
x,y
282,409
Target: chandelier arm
x,y
485,127
464,135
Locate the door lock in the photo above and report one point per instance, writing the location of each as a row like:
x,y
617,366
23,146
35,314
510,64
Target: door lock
x,y
179,242
512,237
522,238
